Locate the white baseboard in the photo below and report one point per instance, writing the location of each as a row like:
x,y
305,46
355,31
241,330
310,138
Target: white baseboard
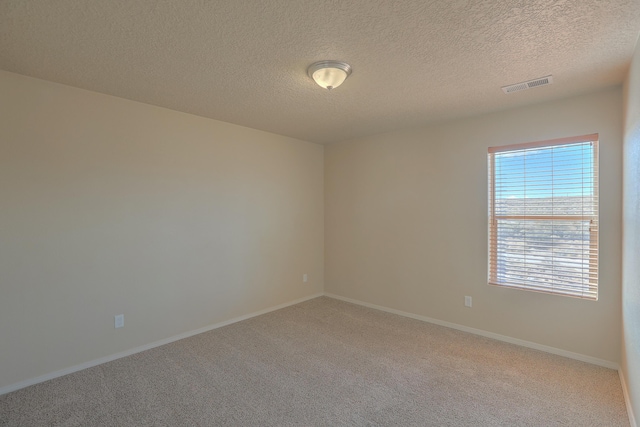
x,y
523,343
92,363
627,399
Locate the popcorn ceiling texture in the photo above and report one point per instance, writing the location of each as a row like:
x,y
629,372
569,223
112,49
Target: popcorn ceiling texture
x,y
245,62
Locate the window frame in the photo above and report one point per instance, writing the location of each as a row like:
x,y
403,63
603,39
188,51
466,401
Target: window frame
x,y
493,240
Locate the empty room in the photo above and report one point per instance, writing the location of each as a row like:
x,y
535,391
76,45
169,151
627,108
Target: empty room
x,y
292,213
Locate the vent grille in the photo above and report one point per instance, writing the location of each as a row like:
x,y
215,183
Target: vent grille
x,y
542,81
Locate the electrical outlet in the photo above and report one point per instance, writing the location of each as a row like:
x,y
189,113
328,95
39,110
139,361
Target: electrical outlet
x,y
467,301
119,321
305,278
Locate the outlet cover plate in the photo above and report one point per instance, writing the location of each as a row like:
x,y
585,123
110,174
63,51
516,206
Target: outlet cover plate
x,y
119,321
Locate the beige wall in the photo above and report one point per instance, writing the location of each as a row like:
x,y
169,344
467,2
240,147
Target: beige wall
x,y
109,206
406,224
631,237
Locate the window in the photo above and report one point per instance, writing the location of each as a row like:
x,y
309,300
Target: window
x,y
543,216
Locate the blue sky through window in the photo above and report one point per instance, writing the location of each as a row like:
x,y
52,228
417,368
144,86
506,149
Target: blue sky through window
x,y
557,171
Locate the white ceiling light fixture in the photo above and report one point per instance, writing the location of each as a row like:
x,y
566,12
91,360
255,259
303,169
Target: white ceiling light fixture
x,y
329,74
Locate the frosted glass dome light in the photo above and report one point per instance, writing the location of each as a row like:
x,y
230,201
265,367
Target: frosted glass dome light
x,y
329,74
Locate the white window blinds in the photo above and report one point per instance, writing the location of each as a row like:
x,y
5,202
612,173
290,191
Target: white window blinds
x,y
543,216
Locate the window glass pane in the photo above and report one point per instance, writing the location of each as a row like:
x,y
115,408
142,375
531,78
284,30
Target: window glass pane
x,y
543,207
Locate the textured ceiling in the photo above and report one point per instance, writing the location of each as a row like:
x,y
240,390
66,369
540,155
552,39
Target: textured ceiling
x,y
244,62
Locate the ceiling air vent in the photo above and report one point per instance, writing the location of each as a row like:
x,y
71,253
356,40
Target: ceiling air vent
x,y
542,81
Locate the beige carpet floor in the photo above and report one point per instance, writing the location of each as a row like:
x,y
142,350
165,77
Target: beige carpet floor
x,y
327,363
